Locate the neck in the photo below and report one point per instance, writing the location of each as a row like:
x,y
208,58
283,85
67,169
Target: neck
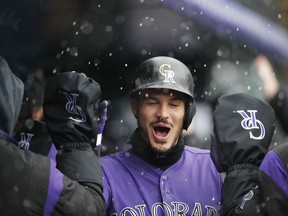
x,y
161,160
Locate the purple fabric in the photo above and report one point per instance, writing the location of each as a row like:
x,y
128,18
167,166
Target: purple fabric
x,y
55,188
52,152
215,154
274,168
9,137
192,186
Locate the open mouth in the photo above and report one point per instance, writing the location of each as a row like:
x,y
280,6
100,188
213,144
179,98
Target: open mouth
x,y
161,132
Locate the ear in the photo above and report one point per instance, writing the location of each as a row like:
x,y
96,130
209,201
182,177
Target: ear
x,y
134,105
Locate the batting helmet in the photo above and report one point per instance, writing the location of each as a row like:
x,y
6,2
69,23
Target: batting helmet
x,y
168,73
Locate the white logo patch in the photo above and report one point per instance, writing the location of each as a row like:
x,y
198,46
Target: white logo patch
x,y
250,122
72,107
167,73
24,143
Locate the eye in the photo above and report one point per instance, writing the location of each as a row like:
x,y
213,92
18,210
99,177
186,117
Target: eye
x,y
175,103
150,101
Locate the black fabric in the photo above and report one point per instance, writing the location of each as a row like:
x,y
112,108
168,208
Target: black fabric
x,y
276,203
25,182
243,129
71,102
34,137
161,160
70,106
274,188
33,91
244,126
23,175
237,184
11,94
81,165
265,199
282,152
80,199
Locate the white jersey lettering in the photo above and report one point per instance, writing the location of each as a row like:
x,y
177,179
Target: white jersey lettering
x,y
177,209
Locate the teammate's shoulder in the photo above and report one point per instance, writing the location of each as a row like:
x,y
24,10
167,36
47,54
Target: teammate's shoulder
x,y
116,155
198,157
196,150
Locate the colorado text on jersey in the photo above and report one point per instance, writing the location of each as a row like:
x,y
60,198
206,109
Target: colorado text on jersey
x,y
179,208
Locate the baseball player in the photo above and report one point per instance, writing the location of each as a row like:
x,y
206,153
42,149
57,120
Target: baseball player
x,y
31,184
160,175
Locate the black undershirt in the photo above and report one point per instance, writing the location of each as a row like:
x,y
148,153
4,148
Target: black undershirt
x,y
160,160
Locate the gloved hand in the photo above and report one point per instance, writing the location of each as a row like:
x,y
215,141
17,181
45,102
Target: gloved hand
x,y
243,129
71,111
34,137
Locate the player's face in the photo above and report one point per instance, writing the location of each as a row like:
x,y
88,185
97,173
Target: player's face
x,y
160,115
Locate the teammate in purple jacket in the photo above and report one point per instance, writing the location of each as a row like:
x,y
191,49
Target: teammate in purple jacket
x,y
270,196
32,184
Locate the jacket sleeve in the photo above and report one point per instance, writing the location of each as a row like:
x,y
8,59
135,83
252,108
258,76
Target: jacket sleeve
x,y
240,187
30,184
273,181
270,195
84,196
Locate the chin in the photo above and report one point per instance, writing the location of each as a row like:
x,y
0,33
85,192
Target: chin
x,y
160,148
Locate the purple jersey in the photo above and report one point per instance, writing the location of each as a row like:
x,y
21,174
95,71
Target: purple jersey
x,y
191,186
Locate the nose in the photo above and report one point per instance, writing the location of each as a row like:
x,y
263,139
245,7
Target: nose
x,y
162,111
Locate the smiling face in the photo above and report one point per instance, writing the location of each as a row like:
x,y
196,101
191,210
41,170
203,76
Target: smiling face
x,y
160,114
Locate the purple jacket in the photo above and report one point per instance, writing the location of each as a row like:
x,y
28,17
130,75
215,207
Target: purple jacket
x,y
31,184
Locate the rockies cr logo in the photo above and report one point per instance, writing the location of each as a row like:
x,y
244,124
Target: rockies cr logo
x,y
167,73
72,107
250,122
24,143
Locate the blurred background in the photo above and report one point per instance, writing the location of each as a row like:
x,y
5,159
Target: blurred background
x,y
106,39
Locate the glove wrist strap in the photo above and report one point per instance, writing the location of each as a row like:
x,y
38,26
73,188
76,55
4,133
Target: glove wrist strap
x,y
242,166
78,145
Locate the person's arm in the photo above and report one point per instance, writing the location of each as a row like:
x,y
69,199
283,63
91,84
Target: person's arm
x,y
273,181
81,196
72,110
243,129
270,196
30,184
